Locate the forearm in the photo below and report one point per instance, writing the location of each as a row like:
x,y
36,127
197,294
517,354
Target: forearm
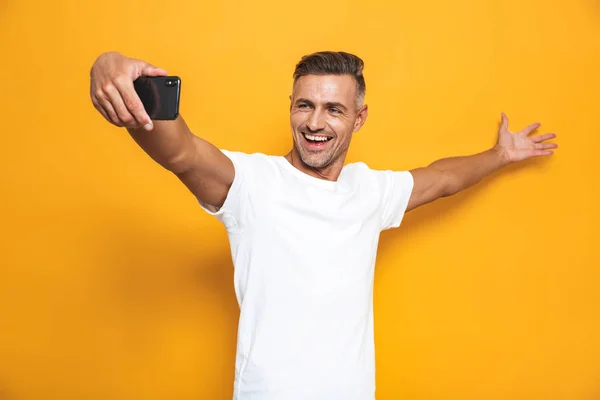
x,y
170,143
466,171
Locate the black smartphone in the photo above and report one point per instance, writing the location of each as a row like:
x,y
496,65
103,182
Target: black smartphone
x,y
159,95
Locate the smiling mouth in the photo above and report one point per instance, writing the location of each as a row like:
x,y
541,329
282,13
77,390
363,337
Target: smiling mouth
x,y
316,139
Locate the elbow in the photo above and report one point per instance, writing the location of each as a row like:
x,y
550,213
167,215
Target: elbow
x,y
451,184
178,164
183,160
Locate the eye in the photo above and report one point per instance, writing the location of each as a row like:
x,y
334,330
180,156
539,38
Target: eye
x,y
335,110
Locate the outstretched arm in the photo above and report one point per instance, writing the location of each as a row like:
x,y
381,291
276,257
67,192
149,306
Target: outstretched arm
x,y
205,170
449,176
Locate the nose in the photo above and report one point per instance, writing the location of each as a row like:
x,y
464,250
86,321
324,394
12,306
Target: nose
x,y
315,121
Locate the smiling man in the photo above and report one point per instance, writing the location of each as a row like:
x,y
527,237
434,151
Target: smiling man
x,y
303,227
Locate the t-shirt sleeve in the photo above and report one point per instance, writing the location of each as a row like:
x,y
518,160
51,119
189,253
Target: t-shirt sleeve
x,y
232,212
397,188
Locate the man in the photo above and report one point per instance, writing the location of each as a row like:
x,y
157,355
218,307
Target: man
x,y
303,227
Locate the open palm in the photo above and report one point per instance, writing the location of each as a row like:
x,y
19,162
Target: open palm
x,y
519,146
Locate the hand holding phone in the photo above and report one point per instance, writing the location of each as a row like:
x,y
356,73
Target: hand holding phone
x,y
154,95
159,95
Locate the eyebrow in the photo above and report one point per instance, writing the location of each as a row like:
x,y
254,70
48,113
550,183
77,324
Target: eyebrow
x,y
329,104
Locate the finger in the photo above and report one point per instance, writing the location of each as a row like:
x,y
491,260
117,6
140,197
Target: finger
x,y
151,70
504,122
122,112
539,153
545,146
102,111
530,128
110,111
134,105
542,138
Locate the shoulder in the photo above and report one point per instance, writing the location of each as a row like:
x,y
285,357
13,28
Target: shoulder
x,y
358,170
377,179
361,171
253,165
243,159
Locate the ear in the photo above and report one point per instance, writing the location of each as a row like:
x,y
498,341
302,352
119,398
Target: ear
x,y
361,117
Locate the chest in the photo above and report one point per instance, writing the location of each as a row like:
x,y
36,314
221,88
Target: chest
x,y
321,231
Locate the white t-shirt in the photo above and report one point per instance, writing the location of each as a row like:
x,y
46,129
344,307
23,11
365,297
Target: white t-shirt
x,y
304,254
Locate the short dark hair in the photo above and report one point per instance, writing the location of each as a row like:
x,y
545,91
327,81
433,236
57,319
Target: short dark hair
x,y
334,63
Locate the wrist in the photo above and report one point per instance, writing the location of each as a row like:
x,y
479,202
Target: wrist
x,y
502,155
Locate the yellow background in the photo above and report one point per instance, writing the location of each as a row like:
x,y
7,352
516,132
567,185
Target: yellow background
x,y
115,285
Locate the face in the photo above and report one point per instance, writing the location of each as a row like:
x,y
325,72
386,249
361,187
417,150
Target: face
x,y
323,117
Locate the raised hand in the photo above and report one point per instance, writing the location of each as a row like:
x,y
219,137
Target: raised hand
x,y
520,145
112,91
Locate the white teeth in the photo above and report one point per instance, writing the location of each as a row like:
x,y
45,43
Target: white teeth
x,y
316,138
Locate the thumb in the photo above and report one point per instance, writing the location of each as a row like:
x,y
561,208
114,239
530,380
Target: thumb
x,y
151,70
504,122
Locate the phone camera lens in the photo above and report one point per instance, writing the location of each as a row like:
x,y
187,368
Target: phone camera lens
x,y
169,83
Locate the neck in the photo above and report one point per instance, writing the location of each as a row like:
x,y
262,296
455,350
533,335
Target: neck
x,y
331,172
